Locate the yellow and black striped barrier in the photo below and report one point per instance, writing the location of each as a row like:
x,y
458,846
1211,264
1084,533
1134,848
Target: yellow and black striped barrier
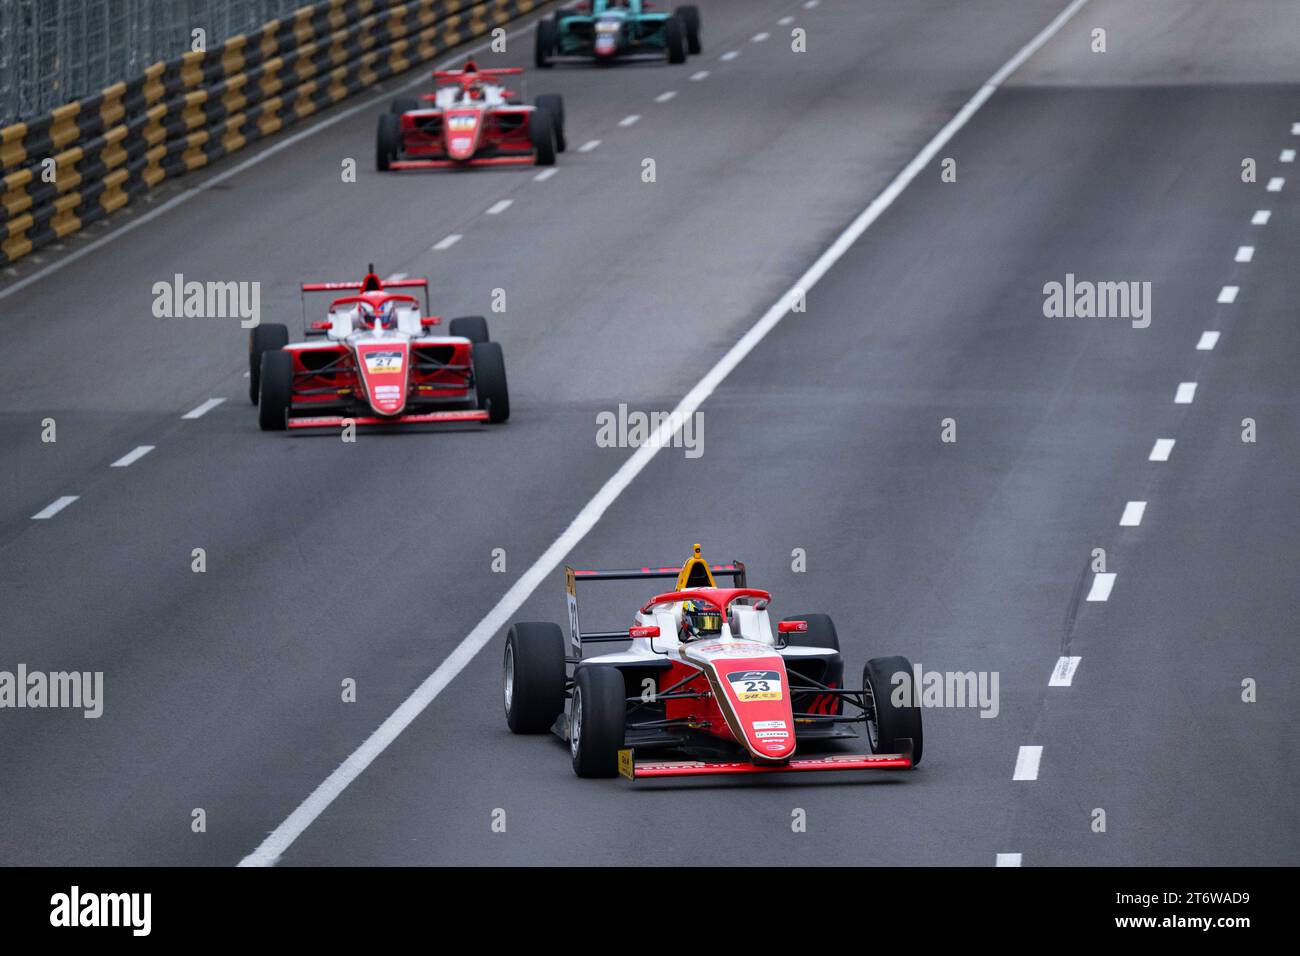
x,y
84,160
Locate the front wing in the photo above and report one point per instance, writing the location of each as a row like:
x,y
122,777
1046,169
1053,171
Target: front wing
x,y
633,769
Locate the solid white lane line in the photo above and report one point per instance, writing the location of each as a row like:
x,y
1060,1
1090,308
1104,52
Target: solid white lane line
x,y
447,242
489,628
1244,254
1063,672
1027,763
1228,294
700,75
759,37
545,174
588,146
1186,392
1161,449
1133,512
1275,184
201,410
1207,341
629,120
1008,859
1261,217
132,457
665,96
497,208
729,55
1102,582
54,507
1286,156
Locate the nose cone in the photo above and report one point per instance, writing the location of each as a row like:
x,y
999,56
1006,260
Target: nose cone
x,y
462,132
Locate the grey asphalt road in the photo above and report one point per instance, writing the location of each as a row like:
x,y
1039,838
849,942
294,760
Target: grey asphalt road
x,y
328,561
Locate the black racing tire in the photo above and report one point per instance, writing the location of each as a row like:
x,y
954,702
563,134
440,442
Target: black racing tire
x,y
490,381
403,104
821,632
892,723
674,40
541,128
533,676
597,717
690,17
472,327
388,140
267,337
276,391
555,103
545,41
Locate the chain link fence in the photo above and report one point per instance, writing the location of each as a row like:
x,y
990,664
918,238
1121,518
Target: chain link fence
x,y
55,51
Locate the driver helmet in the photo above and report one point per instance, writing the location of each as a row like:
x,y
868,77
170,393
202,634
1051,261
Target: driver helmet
x,y
699,620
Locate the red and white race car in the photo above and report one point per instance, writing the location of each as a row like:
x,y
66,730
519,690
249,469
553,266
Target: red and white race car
x,y
377,358
707,680
470,119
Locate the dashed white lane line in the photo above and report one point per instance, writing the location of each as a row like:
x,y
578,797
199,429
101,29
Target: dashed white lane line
x,y
700,75
1286,156
785,21
665,96
588,146
1207,341
1102,582
729,55
1132,516
1228,294
1275,184
1244,254
760,37
54,507
630,120
545,174
809,4
1161,449
131,457
447,242
201,410
1261,217
1007,859
1295,129
1185,393
395,277
497,208
489,628
1027,763
1063,672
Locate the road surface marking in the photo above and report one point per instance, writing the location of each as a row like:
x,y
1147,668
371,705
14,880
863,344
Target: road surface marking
x,y
201,410
1207,341
1244,254
588,146
785,21
489,628
760,37
497,208
1287,156
54,507
395,277
629,120
1261,217
1008,859
809,4
700,75
1132,516
1275,184
1102,582
447,242
730,55
1027,763
545,174
131,457
1295,129
1186,392
666,96
1228,294
1161,449
1063,672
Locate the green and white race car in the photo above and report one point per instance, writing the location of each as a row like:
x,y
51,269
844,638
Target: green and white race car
x,y
609,30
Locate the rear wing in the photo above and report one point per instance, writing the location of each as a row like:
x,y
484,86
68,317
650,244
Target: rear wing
x,y
695,569
370,283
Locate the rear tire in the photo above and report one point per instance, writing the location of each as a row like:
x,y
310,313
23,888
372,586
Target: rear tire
x,y
388,140
555,103
821,632
472,327
893,723
276,391
490,381
541,128
674,40
690,17
544,42
268,337
597,717
533,676
403,104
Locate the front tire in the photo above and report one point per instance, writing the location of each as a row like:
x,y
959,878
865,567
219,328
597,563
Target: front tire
x,y
544,42
388,140
690,17
555,103
674,40
533,676
541,128
267,337
490,381
597,717
276,391
472,327
891,724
